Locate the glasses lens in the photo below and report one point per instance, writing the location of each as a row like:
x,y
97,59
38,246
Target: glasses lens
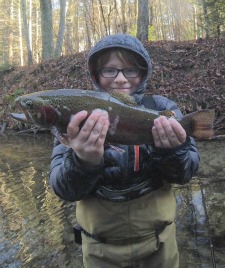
x,y
108,72
113,72
131,72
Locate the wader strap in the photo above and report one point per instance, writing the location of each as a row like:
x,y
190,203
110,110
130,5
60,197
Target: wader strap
x,y
160,230
136,159
96,238
125,241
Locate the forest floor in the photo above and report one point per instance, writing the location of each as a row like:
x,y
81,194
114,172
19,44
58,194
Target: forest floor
x,y
192,73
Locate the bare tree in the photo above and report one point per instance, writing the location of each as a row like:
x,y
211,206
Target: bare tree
x,y
72,38
103,17
20,34
47,30
87,24
206,17
26,32
60,37
143,20
123,13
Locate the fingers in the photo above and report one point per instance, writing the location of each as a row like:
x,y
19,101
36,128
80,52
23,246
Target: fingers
x,y
178,129
100,125
168,133
87,140
73,127
94,128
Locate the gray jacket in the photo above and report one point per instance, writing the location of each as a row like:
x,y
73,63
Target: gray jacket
x,y
72,181
115,178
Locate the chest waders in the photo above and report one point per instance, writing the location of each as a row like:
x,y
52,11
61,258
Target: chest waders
x,y
138,233
135,233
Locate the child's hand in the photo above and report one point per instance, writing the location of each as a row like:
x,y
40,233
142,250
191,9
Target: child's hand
x,y
88,141
168,133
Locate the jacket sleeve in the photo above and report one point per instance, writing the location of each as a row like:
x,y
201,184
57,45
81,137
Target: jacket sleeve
x,y
69,179
176,165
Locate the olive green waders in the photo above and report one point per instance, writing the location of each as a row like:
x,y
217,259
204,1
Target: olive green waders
x,y
136,233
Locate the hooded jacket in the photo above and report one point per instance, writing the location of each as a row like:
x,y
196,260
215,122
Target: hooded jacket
x,y
127,42
121,176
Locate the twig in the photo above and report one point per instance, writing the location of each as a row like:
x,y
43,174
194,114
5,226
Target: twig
x,y
2,129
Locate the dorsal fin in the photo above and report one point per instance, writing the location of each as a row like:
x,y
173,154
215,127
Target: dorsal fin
x,y
125,98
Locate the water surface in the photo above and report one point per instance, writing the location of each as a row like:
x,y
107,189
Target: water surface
x,y
36,226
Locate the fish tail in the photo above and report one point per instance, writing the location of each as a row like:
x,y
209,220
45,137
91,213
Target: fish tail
x,y
199,124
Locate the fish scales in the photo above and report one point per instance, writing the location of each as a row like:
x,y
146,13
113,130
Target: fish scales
x,y
129,123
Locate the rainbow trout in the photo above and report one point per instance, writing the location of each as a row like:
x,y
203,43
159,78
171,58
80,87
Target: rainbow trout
x,y
129,123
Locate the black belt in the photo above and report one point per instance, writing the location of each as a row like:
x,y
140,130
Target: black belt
x,y
78,239
127,194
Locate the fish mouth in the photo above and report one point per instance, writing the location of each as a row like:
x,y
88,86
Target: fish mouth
x,y
22,117
26,116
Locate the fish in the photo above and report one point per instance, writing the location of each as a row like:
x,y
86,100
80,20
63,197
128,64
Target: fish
x,y
130,124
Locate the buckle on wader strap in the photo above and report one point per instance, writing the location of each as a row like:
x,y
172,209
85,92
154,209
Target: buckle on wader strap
x,y
77,234
77,230
160,229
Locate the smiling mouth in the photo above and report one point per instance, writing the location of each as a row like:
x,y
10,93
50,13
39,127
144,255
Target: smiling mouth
x,y
121,88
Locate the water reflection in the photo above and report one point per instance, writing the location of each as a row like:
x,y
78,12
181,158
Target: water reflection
x,y
36,227
201,211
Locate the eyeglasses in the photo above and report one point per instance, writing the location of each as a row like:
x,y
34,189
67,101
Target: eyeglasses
x,y
109,72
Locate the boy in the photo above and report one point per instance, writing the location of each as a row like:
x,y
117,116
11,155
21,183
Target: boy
x,y
125,204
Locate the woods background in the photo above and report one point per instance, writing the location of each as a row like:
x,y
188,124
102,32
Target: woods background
x,y
44,44
32,31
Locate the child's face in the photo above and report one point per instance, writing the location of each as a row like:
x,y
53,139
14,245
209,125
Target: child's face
x,y
120,83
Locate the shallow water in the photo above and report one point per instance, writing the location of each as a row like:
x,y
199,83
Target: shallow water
x,y
36,226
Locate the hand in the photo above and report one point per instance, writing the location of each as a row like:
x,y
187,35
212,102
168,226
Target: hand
x,y
168,133
88,142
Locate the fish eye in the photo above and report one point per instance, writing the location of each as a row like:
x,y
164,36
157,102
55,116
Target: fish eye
x,y
29,103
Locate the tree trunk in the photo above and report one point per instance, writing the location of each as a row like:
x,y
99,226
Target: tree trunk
x,y
103,17
143,20
87,24
59,42
76,26
37,33
161,21
123,12
47,29
26,33
206,17
20,34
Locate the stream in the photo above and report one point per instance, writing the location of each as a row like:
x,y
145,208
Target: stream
x,y
36,226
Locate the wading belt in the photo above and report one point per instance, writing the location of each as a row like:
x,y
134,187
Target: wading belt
x,y
78,239
126,194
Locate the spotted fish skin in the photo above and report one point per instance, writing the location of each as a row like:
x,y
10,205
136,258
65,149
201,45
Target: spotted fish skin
x,y
129,123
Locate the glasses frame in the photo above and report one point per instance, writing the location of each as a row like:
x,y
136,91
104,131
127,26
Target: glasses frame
x,y
120,70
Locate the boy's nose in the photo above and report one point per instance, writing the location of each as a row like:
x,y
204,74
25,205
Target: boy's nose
x,y
120,77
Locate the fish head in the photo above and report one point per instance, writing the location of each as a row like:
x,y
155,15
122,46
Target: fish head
x,y
37,110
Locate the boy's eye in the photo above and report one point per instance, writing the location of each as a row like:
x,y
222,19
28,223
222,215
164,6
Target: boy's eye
x,y
131,71
113,72
108,72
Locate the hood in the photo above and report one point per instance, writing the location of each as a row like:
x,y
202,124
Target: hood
x,y
125,41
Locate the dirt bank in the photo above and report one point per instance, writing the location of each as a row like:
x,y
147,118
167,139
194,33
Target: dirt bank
x,y
192,73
